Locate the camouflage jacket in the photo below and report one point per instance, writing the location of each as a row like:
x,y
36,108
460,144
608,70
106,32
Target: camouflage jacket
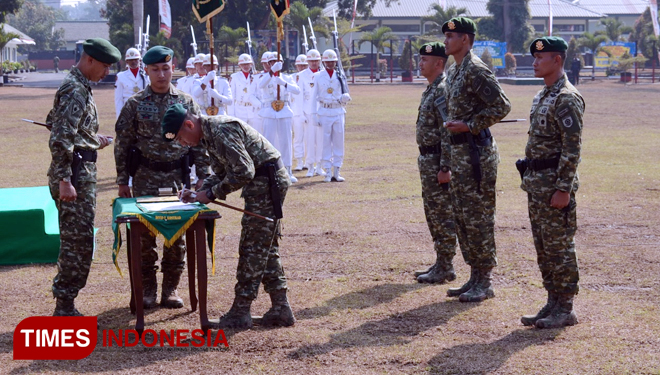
x,y
139,124
432,113
473,96
75,123
555,132
236,150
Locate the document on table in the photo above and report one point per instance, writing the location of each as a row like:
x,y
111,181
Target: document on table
x,y
168,206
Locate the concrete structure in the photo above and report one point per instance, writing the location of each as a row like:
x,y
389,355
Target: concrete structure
x,y
9,52
81,30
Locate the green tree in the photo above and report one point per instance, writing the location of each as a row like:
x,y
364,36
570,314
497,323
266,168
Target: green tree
x,y
381,38
613,29
572,52
173,43
515,29
592,42
487,58
406,61
5,37
38,21
231,40
120,21
364,7
643,35
8,7
440,16
298,16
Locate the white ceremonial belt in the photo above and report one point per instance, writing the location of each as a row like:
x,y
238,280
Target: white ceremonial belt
x,y
244,104
268,105
331,105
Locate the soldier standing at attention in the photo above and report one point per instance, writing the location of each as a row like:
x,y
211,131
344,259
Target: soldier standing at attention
x,y
436,197
242,158
220,92
243,86
475,102
551,180
297,104
313,130
130,81
141,153
185,83
72,173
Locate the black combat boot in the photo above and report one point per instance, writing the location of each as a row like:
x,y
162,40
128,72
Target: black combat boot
x,y
441,274
169,297
237,317
562,315
65,307
530,320
482,288
149,288
419,273
455,292
280,314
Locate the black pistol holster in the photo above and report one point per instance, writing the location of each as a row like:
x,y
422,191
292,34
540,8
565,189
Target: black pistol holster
x,y
134,160
79,156
521,166
187,162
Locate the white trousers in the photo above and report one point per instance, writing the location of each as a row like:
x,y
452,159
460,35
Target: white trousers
x,y
333,140
257,123
299,137
313,140
278,131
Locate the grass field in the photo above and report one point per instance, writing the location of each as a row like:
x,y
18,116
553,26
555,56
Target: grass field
x,y
350,249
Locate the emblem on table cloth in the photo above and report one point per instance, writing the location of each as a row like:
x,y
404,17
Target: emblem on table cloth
x,y
277,105
212,110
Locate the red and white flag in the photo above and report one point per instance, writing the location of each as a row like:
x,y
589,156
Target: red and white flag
x,y
654,16
165,17
550,18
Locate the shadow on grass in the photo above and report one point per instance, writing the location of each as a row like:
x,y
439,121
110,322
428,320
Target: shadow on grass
x,y
361,299
399,329
488,357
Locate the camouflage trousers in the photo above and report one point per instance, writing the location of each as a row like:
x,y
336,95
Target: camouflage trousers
x,y
76,239
258,250
145,183
437,208
474,205
554,231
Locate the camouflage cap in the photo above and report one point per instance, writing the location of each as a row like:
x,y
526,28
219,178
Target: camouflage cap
x,y
460,25
433,49
548,44
101,50
172,121
157,54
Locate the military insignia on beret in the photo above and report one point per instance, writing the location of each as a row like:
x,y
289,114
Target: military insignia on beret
x,y
567,121
170,135
168,58
451,25
429,49
539,45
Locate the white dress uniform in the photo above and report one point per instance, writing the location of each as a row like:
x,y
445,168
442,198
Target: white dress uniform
x,y
128,85
313,130
246,105
331,117
298,124
277,124
221,93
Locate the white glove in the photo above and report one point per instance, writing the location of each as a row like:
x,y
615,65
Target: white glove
x,y
276,67
345,98
208,78
216,95
280,81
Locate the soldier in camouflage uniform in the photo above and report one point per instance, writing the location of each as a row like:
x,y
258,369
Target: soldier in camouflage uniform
x,y
475,101
160,166
436,197
551,180
72,173
242,158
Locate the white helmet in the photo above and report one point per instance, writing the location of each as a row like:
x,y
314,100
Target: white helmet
x,y
273,56
301,60
207,60
329,55
265,57
190,64
245,59
199,58
132,54
313,54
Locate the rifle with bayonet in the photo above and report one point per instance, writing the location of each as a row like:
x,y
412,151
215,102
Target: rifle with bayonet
x,y
305,44
341,75
313,37
194,42
248,42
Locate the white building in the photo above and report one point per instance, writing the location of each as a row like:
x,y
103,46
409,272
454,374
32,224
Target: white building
x,y
9,52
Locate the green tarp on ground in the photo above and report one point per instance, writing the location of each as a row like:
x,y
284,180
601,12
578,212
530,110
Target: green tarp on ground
x,y
29,229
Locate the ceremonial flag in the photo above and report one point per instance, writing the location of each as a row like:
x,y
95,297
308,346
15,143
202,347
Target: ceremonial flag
x,y
280,8
205,9
550,20
654,16
165,17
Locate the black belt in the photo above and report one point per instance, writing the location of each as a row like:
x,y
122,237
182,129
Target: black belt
x,y
262,170
161,166
484,138
430,150
541,164
87,155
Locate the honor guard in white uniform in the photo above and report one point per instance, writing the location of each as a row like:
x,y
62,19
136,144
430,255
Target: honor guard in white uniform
x,y
185,83
130,81
313,130
243,86
299,117
277,114
331,116
258,121
202,91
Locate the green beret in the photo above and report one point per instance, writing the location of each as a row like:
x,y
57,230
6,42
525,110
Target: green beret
x,y
157,54
548,44
460,25
172,121
101,50
433,49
